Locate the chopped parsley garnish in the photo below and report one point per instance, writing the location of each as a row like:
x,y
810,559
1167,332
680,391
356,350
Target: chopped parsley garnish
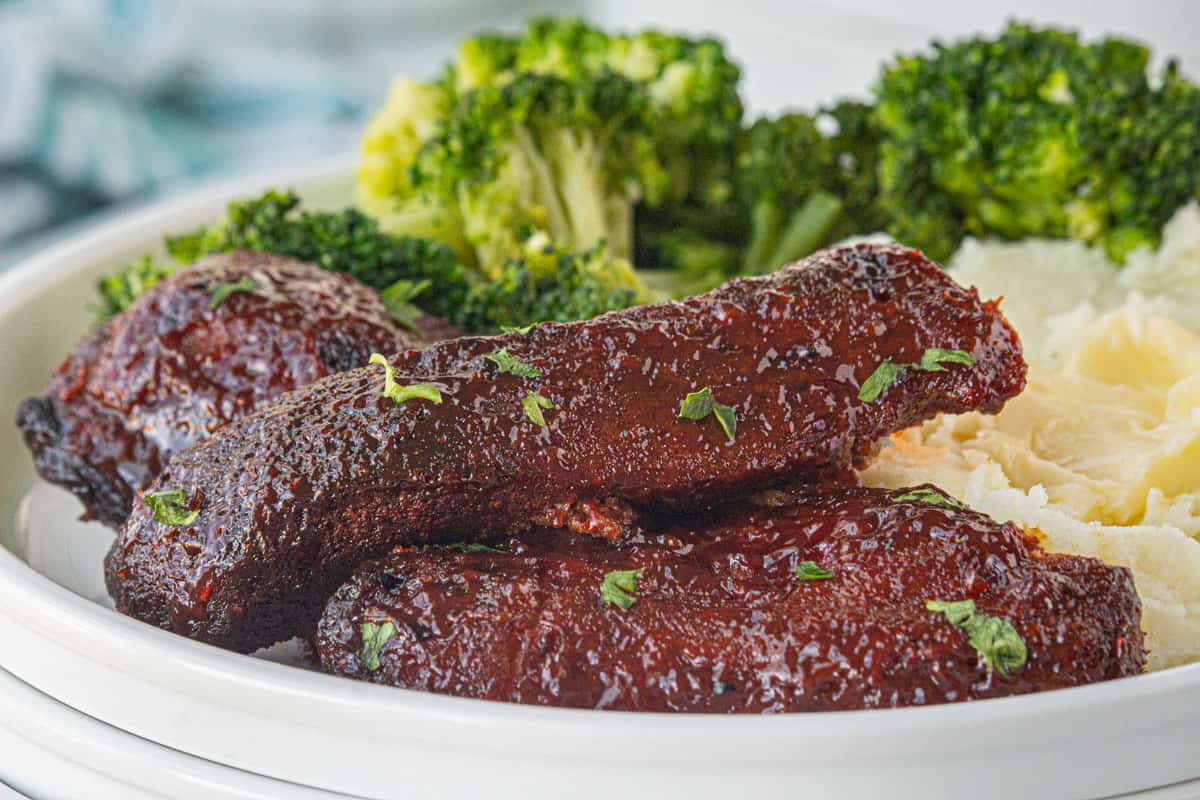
x,y
809,571
397,301
507,362
933,358
994,638
374,637
223,291
888,372
471,547
533,403
698,405
402,394
930,497
522,330
619,588
170,507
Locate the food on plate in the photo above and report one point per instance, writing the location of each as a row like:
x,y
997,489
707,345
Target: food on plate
x,y
840,599
415,276
656,506
763,383
561,133
204,346
1036,133
1101,453
341,241
1032,132
806,184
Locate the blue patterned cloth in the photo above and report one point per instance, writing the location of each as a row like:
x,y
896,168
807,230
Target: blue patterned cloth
x,y
106,100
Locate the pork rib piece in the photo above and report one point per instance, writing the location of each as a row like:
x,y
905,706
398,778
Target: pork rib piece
x,y
721,622
293,497
171,369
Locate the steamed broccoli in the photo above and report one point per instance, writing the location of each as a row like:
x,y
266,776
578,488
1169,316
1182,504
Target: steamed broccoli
x,y
564,130
549,285
412,274
1035,133
695,107
342,241
808,181
117,292
542,155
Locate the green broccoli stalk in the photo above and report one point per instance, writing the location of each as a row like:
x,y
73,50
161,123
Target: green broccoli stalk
x,y
1035,133
805,187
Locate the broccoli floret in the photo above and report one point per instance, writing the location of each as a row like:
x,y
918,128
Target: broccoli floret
x,y
693,88
486,59
549,285
389,148
1034,133
808,181
117,292
542,155
413,275
563,129
342,241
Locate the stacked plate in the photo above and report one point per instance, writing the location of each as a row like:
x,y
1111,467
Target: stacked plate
x,y
93,704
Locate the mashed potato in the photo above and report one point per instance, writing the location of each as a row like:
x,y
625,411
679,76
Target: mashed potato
x,y
1101,453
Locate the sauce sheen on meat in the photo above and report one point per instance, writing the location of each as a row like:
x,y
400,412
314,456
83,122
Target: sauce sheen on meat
x,y
170,370
294,496
720,621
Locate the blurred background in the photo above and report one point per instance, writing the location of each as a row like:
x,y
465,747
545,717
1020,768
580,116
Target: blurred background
x,y
109,102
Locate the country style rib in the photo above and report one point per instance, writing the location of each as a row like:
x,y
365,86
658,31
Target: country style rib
x,y
720,621
293,497
171,369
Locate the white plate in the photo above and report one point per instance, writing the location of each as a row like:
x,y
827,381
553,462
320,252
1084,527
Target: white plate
x,y
356,738
49,750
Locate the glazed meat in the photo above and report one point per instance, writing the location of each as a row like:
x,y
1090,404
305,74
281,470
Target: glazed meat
x,y
172,369
721,622
293,497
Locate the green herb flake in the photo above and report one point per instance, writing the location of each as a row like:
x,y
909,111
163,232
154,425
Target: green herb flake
x,y
170,507
533,403
374,637
809,571
933,358
994,638
931,497
507,362
223,291
619,588
471,547
881,380
397,301
522,330
888,371
698,405
402,394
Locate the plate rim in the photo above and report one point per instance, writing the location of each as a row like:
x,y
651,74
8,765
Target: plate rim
x,y
51,611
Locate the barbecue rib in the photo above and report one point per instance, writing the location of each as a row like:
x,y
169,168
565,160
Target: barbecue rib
x,y
166,373
721,622
293,497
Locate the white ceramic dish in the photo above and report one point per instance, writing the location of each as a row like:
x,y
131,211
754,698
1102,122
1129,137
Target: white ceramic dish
x,y
50,751
57,635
